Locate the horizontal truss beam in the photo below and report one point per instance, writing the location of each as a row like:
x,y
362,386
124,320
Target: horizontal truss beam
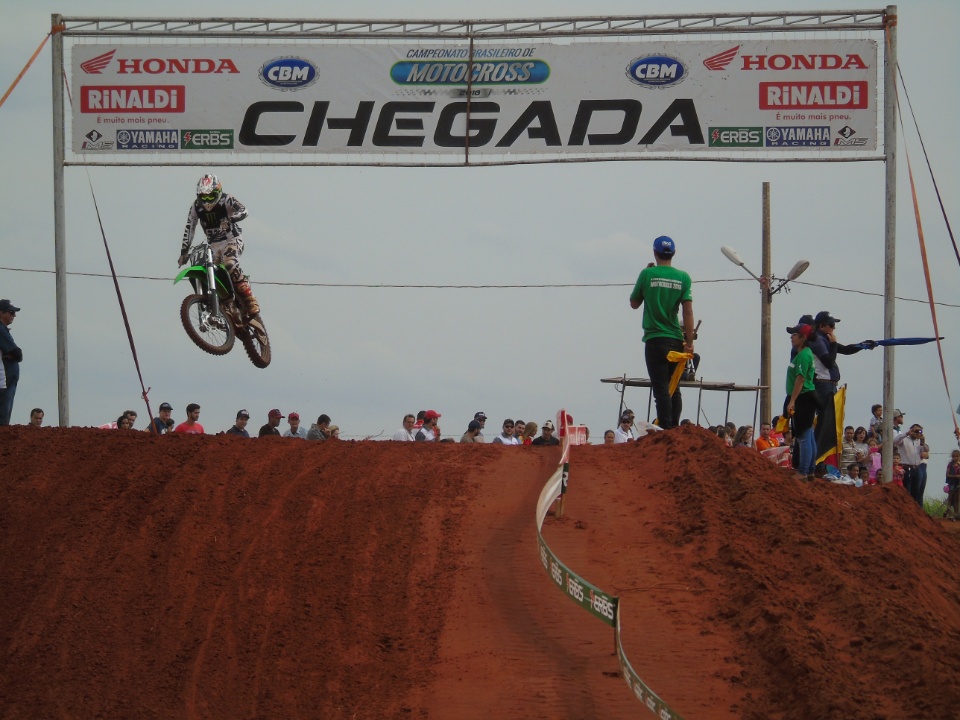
x,y
457,29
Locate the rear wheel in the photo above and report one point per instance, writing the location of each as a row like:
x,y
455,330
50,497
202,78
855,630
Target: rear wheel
x,y
211,333
256,342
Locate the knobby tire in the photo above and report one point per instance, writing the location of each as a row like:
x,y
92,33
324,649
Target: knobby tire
x,y
256,343
216,341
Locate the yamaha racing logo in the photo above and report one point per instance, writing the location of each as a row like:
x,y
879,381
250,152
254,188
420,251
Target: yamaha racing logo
x,y
288,73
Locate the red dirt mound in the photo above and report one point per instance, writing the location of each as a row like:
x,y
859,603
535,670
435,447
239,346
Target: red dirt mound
x,y
213,577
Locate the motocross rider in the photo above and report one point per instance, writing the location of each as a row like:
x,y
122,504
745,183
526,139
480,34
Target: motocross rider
x,y
218,214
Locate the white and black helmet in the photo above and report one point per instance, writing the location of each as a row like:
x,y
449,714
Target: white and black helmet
x,y
209,190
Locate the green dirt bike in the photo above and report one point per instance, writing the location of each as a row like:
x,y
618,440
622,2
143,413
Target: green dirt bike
x,y
213,316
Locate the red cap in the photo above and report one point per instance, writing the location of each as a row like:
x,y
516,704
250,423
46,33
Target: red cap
x,y
431,415
275,413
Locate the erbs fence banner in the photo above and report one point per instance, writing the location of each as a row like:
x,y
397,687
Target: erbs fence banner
x,y
543,99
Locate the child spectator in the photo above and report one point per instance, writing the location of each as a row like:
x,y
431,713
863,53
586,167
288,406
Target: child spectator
x,y
873,460
861,448
897,471
876,421
852,477
953,486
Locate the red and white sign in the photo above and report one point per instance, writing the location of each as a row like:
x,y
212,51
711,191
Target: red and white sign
x,y
158,65
808,95
96,65
133,99
493,98
803,62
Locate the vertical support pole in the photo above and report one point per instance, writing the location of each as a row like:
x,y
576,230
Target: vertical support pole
x,y
700,402
466,120
890,234
59,223
623,390
756,402
766,299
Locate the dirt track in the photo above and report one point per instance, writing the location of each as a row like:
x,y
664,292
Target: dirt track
x,y
211,577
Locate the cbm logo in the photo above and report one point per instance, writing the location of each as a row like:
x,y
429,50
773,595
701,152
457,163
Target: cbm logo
x,y
288,73
657,71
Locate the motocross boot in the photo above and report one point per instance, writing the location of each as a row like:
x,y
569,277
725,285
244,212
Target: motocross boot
x,y
246,292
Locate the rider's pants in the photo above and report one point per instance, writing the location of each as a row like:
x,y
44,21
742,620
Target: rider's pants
x,y
228,252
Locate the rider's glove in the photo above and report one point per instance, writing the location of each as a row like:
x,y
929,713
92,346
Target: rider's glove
x,y
225,225
182,261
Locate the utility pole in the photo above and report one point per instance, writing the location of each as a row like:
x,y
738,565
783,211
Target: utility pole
x,y
766,304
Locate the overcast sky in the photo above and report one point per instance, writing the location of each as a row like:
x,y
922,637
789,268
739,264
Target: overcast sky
x,y
366,356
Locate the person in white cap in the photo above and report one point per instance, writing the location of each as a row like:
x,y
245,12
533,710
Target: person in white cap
x,y
624,433
546,435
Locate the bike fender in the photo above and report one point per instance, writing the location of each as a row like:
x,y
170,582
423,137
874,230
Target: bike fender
x,y
188,270
197,271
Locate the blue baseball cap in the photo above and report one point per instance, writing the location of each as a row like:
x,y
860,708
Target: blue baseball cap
x,y
664,245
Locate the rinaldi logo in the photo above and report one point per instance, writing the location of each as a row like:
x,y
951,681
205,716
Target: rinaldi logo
x,y
133,98
95,66
851,95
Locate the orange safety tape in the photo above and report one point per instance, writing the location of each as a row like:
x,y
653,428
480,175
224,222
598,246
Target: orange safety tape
x,y
27,66
145,391
926,274
923,258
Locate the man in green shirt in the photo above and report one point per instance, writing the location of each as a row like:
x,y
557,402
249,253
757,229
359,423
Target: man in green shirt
x,y
662,290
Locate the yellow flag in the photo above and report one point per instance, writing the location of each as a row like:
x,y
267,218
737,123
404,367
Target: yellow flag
x,y
681,359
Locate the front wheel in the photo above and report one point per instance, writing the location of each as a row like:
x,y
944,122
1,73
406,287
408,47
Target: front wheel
x,y
211,333
256,343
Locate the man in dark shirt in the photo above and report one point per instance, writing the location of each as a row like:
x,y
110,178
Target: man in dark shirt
x,y
273,422
546,435
12,356
159,424
240,428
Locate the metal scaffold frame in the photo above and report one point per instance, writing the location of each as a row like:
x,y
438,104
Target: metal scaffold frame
x,y
81,29
495,29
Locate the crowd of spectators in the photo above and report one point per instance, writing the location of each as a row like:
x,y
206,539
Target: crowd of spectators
x,y
422,427
858,458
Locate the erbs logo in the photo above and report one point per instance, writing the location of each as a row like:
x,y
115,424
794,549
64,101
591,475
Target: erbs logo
x,y
288,73
206,139
656,71
602,605
736,137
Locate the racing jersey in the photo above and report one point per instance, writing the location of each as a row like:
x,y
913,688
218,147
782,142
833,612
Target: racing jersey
x,y
228,209
661,289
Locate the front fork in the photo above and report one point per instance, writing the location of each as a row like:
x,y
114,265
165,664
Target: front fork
x,y
212,283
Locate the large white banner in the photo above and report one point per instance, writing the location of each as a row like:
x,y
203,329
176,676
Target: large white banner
x,y
545,99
